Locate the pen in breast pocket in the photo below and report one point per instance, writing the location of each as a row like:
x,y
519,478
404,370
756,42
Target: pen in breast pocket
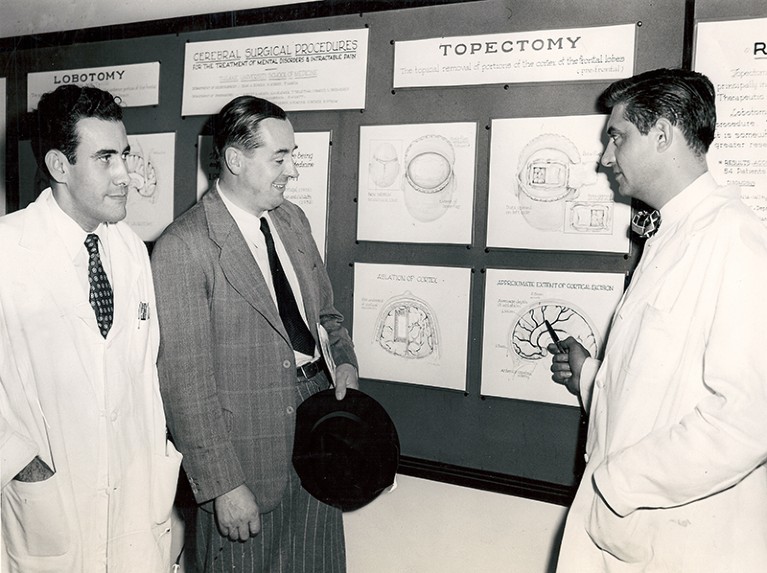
x,y
554,337
143,313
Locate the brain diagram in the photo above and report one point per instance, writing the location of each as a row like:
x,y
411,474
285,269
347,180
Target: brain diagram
x,y
429,180
549,174
384,165
143,178
406,327
425,173
528,336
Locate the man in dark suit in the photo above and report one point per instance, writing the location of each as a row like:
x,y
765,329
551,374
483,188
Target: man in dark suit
x,y
235,362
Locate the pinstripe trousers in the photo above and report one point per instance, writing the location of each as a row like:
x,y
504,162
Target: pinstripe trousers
x,y
301,535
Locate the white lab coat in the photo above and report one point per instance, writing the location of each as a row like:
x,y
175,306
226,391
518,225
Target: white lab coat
x,y
87,406
675,479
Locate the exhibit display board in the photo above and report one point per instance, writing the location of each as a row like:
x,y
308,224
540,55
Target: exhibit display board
x,y
447,215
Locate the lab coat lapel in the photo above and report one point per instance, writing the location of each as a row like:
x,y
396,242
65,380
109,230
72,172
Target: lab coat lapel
x,y
125,276
51,268
48,259
237,262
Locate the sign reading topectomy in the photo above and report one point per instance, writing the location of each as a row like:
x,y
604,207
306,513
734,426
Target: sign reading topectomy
x,y
311,71
133,85
576,54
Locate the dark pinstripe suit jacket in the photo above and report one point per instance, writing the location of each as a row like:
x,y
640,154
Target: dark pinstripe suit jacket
x,y
227,369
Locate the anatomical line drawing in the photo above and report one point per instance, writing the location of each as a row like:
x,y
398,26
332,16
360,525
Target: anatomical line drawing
x,y
407,327
416,183
590,217
549,174
528,335
384,165
429,178
143,177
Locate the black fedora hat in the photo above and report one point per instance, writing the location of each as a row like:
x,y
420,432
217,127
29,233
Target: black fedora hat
x,y
346,452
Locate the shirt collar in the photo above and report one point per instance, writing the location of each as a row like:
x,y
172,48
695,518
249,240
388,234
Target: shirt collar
x,y
680,206
248,223
72,234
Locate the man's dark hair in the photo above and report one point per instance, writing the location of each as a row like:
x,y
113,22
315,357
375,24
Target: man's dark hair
x,y
237,124
686,99
55,119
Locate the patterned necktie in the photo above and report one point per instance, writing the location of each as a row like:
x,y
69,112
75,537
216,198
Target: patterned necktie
x,y
100,295
300,337
646,223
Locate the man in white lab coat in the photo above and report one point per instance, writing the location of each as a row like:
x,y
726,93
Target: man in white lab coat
x,y
675,479
88,477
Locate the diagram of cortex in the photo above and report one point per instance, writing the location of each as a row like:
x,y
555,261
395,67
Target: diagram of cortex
x,y
549,175
528,336
384,165
407,327
425,173
429,180
143,177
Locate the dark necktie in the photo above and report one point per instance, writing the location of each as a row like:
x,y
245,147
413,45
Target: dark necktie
x,y
646,223
100,295
300,337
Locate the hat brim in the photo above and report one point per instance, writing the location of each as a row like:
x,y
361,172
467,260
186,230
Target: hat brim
x,y
346,452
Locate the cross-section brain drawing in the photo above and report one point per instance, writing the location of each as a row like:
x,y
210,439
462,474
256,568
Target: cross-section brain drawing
x,y
143,178
528,336
407,327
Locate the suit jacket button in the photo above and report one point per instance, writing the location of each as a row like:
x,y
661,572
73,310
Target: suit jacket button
x,y
286,363
289,410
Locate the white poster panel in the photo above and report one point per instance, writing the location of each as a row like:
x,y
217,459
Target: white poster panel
x,y
133,85
310,191
546,188
575,54
411,323
416,183
310,71
733,54
150,190
515,361
3,123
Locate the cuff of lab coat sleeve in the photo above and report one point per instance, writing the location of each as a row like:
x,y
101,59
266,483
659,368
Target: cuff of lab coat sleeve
x,y
588,374
15,454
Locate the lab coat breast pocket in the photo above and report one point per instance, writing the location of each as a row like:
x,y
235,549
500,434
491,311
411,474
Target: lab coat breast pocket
x,y
655,348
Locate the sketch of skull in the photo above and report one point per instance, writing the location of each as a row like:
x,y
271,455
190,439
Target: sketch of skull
x,y
406,327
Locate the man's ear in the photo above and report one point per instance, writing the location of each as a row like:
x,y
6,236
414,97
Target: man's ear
x,y
233,160
664,134
57,164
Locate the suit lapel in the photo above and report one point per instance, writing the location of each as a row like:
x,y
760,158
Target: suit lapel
x,y
237,262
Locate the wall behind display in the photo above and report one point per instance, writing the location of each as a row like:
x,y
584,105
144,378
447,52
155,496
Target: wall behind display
x,y
529,448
